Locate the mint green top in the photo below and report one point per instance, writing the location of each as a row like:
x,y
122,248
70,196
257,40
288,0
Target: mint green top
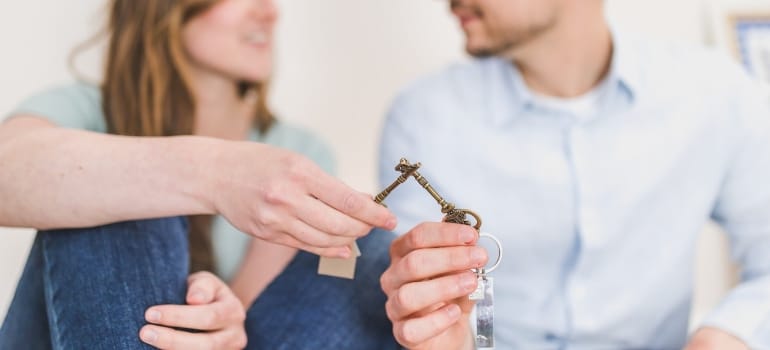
x,y
78,106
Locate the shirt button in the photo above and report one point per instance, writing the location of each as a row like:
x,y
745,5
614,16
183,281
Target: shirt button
x,y
550,337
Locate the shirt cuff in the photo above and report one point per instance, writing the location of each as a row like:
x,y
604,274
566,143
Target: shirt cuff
x,y
745,313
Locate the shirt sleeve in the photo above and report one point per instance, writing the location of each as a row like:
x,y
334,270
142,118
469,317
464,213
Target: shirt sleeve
x,y
299,140
303,142
743,209
322,155
76,106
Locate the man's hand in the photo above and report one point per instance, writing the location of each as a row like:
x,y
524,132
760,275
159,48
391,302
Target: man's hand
x,y
715,339
428,283
212,309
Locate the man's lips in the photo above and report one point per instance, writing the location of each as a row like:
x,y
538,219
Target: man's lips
x,y
466,15
466,19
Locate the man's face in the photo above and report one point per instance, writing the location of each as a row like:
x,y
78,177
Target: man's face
x,y
497,27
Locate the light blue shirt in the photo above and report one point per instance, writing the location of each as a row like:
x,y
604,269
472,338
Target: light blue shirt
x,y
598,214
79,106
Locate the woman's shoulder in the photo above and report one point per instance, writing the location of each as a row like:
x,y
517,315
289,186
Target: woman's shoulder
x,y
301,140
74,89
74,105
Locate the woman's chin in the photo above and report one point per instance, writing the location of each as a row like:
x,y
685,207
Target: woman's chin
x,y
255,76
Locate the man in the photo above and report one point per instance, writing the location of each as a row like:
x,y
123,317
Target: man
x,y
595,158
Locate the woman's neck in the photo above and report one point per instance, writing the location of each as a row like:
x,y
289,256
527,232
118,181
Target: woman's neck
x,y
220,111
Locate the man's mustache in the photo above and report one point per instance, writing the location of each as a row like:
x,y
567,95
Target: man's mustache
x,y
462,4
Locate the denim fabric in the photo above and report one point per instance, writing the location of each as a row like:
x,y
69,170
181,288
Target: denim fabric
x,y
26,325
89,288
302,310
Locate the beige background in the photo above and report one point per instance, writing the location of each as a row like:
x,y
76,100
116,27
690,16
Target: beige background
x,y
340,63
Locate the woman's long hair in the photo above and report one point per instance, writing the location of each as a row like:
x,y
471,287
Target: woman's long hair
x,y
147,90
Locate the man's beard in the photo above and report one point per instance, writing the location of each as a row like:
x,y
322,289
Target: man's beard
x,y
508,43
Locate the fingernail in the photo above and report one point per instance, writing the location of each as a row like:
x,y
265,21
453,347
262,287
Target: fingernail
x,y
467,236
344,253
468,282
198,296
149,336
478,255
153,315
453,311
391,224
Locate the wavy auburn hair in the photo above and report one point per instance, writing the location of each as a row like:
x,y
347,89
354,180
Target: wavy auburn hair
x,y
147,89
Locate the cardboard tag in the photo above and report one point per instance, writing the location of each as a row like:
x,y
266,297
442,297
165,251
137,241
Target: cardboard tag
x,y
354,248
342,268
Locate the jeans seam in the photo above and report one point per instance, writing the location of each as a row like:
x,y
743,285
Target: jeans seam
x,y
51,293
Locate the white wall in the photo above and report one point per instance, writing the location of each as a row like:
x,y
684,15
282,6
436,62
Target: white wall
x,y
35,39
340,63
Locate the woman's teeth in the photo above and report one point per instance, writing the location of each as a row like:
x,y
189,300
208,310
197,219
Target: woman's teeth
x,y
258,38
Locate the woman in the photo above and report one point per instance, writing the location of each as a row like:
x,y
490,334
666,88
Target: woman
x,y
164,145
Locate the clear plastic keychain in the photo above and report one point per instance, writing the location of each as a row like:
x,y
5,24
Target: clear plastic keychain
x,y
484,296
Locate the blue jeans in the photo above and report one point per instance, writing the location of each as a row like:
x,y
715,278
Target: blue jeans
x,y
89,288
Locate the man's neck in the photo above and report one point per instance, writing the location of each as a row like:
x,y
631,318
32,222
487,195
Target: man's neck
x,y
569,59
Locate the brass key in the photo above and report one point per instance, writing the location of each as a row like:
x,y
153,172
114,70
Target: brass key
x,y
451,214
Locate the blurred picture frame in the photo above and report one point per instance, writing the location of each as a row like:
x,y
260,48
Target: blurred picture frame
x,y
743,29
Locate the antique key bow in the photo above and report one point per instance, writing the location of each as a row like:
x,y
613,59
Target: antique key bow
x,y
484,293
451,214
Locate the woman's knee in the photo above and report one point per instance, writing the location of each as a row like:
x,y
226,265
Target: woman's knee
x,y
152,240
104,278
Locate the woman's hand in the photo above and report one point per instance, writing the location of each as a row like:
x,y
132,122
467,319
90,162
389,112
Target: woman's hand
x,y
428,283
271,193
212,308
282,197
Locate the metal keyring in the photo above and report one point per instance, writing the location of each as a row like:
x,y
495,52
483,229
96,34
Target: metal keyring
x,y
499,251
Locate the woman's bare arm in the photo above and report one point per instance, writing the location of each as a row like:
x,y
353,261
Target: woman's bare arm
x,y
53,177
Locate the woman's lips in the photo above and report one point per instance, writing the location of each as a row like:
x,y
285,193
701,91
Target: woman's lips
x,y
258,39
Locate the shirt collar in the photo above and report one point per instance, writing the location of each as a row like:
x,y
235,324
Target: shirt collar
x,y
625,68
624,77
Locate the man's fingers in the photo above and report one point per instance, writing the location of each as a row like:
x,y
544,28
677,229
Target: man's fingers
x,y
330,221
203,287
350,202
415,331
209,317
433,262
170,339
434,235
418,296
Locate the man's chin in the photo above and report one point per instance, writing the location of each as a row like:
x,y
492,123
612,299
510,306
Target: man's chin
x,y
499,49
482,52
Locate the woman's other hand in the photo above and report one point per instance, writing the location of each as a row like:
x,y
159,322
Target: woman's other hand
x,y
212,309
